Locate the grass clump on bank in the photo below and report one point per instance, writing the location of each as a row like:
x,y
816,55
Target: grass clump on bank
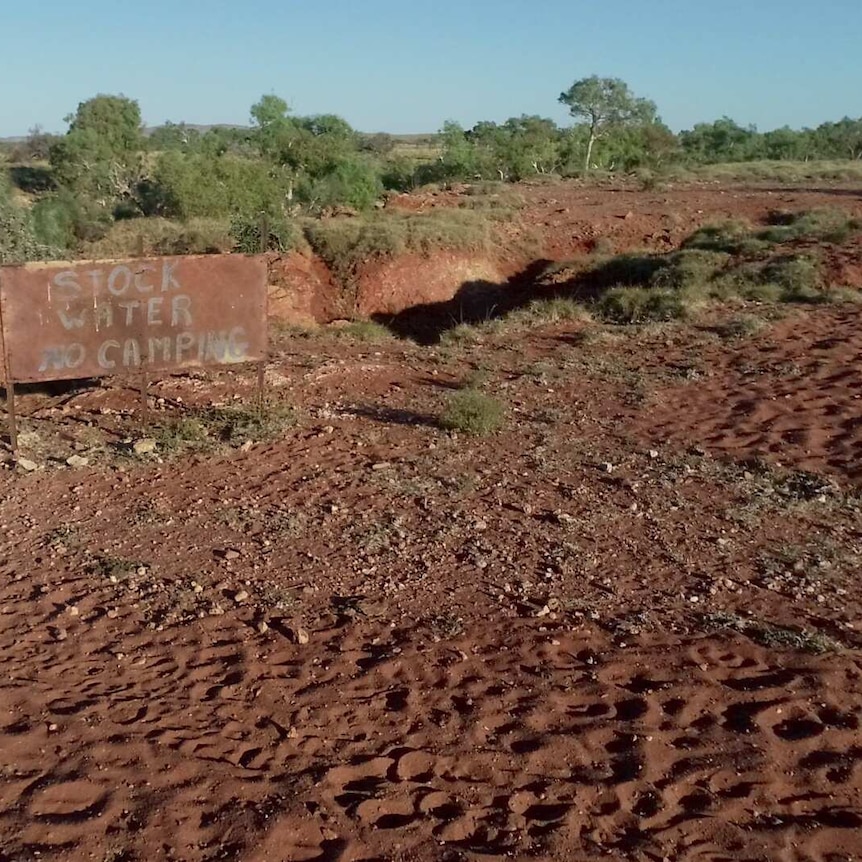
x,y
344,242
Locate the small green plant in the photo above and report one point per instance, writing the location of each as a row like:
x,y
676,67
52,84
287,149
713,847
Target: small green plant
x,y
473,412
181,434
731,237
690,269
629,305
800,278
365,331
740,327
281,234
114,568
203,430
826,225
774,636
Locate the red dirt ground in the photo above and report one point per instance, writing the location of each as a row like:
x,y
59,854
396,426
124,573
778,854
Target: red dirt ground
x,y
590,635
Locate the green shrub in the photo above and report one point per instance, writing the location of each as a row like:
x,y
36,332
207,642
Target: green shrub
x,y
473,412
18,239
740,327
365,331
282,234
354,183
690,269
202,184
800,278
732,237
626,305
827,225
625,269
162,236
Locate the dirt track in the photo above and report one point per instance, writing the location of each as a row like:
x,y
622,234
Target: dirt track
x,y
581,638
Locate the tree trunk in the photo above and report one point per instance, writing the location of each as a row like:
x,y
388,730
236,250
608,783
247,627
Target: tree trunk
x,y
590,150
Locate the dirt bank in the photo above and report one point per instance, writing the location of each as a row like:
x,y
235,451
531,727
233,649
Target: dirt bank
x,y
567,219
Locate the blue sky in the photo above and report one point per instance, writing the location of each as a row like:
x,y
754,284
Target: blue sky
x,y
405,66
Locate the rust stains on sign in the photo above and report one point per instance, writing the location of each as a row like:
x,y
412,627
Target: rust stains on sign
x,y
65,321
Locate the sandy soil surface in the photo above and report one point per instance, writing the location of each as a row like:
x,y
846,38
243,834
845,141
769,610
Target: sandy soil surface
x,y
626,626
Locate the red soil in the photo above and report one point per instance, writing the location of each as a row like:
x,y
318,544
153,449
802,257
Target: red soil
x,y
371,639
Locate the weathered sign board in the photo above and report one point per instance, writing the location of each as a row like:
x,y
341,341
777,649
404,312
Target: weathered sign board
x,y
69,321
63,321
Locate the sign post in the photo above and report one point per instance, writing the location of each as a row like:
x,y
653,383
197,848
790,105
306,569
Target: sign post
x,y
70,321
8,383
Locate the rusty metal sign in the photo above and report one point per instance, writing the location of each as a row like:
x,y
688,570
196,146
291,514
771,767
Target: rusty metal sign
x,y
64,321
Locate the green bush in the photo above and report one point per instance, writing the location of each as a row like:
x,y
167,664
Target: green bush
x,y
732,237
354,183
627,305
690,269
282,234
65,220
18,239
827,225
161,236
190,185
800,278
473,412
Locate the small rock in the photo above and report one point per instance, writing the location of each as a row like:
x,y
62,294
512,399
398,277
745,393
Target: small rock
x,y
230,554
480,526
653,454
607,467
298,635
59,634
112,613
144,446
241,596
381,465
216,611
141,571
246,447
73,610
262,627
77,461
27,464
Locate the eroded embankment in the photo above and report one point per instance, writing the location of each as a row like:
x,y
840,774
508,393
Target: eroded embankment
x,y
305,291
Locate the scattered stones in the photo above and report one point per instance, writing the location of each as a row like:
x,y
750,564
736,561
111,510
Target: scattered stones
x,y
77,461
145,446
